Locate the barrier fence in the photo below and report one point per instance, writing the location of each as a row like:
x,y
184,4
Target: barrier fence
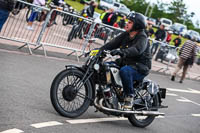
x,y
71,31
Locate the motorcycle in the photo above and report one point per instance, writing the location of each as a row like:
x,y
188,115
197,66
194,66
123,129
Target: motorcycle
x,y
78,26
97,83
68,19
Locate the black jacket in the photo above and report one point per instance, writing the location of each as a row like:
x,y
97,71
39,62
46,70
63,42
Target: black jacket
x,y
110,21
90,11
177,42
122,23
7,5
136,50
160,35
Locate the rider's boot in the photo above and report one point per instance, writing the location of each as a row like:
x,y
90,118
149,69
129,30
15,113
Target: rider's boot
x,y
128,103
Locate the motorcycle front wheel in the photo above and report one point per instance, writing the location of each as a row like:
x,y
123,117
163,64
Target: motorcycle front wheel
x,y
70,95
142,120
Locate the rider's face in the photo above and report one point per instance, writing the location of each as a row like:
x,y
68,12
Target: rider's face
x,y
129,25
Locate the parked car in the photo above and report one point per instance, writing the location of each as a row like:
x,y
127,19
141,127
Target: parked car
x,y
192,34
123,10
178,28
106,4
166,22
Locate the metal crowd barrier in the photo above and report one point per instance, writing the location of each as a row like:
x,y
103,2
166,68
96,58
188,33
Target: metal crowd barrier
x,y
87,36
15,28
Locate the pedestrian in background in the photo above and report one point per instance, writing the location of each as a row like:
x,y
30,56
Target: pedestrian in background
x,y
122,22
110,17
149,30
160,36
177,41
187,56
169,36
34,13
6,6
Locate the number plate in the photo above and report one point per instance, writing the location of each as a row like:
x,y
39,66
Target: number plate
x,y
94,52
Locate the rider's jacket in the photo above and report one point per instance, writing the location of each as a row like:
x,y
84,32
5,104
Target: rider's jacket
x,y
136,50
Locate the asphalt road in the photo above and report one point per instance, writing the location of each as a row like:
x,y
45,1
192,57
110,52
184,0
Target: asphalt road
x,y
25,101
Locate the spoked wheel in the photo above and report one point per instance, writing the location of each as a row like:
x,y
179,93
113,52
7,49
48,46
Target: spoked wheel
x,y
69,96
72,33
142,120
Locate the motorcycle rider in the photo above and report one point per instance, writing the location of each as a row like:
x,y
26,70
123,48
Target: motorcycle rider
x,y
135,61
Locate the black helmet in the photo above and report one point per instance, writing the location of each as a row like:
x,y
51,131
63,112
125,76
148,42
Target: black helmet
x,y
138,20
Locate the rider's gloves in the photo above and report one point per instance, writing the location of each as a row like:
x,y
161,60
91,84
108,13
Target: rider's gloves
x,y
117,52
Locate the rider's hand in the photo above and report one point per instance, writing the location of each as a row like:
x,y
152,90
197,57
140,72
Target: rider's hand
x,y
117,52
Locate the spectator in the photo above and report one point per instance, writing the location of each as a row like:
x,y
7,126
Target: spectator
x,y
169,36
177,41
122,22
6,6
159,36
34,13
91,8
110,18
149,30
187,57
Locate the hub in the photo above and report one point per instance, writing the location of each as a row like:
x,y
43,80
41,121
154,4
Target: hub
x,y
69,93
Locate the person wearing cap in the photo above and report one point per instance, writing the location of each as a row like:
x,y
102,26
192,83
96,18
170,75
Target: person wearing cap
x,y
169,36
134,50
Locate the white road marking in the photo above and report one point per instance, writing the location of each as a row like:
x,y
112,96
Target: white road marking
x,y
79,121
183,99
95,120
160,116
14,130
196,115
46,124
171,94
183,90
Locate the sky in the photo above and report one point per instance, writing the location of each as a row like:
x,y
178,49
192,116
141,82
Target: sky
x,y
192,6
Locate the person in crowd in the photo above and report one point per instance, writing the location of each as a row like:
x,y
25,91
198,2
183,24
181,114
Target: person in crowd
x,y
122,22
91,8
160,35
149,30
158,23
187,55
169,36
177,41
110,17
34,13
6,6
134,50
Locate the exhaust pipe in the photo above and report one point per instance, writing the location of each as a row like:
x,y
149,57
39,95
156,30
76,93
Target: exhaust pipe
x,y
100,105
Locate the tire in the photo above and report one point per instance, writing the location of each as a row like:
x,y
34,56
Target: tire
x,y
72,33
148,120
70,103
65,20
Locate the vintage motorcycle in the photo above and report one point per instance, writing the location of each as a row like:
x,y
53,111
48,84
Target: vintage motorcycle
x,y
97,83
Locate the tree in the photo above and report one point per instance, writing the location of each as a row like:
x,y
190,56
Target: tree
x,y
178,9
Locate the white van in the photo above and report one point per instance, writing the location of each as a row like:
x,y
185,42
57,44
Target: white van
x,y
106,4
166,22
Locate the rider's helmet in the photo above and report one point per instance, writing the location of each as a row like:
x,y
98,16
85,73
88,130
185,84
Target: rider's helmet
x,y
138,20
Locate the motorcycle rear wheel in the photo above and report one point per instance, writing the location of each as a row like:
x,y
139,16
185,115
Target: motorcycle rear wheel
x,y
142,120
65,98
